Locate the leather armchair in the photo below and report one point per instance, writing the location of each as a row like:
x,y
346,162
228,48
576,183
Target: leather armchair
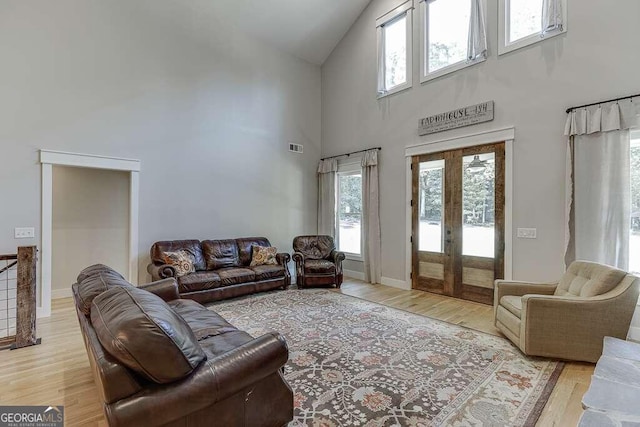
x,y
567,319
318,263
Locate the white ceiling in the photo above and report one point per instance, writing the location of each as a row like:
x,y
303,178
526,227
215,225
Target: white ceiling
x,y
308,29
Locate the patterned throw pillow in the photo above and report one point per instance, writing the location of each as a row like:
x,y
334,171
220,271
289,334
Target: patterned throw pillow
x,y
263,255
183,261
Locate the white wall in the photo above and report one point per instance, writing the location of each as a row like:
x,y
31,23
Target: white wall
x,y
207,110
90,223
597,59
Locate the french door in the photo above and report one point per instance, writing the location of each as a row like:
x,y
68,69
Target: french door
x,y
458,221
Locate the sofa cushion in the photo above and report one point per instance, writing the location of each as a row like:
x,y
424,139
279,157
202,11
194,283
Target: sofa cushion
x,y
140,330
95,284
182,261
319,266
235,276
204,323
220,253
263,255
191,246
199,281
266,272
245,247
314,247
588,279
95,269
512,303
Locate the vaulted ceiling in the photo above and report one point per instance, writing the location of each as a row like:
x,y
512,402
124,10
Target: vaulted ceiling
x,y
308,29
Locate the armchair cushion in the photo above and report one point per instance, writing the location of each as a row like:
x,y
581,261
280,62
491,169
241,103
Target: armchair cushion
x,y
314,247
319,266
513,304
588,279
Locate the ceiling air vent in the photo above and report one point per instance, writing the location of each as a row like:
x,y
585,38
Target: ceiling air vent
x,y
295,148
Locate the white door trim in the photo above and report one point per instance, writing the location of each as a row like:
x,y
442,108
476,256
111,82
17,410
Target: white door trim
x,y
49,158
508,136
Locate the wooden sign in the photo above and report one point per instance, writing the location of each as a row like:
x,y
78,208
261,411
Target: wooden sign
x,y
461,117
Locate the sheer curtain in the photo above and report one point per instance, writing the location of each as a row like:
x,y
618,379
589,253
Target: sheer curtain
x,y
598,190
477,40
327,197
371,217
551,16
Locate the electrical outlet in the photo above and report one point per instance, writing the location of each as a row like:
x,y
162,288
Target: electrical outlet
x,y
24,232
527,233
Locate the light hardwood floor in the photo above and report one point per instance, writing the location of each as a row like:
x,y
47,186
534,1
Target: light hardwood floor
x,y
57,372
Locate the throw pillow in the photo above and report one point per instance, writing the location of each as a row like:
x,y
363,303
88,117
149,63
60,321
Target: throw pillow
x,y
183,261
263,255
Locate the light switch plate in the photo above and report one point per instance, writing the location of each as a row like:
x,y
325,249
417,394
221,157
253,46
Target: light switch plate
x,y
24,232
527,233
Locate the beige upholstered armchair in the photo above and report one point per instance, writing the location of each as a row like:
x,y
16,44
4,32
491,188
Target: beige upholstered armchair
x,y
568,319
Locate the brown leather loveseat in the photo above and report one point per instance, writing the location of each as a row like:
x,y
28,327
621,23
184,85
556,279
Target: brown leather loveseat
x,y
222,268
161,360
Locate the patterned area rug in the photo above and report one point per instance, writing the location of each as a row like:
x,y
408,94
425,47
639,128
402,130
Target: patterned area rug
x,y
357,363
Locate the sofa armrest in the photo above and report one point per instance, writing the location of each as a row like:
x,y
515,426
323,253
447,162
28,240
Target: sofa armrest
x,y
214,380
337,257
283,258
575,325
298,258
167,289
161,271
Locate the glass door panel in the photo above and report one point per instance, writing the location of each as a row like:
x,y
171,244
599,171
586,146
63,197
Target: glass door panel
x,y
430,206
478,205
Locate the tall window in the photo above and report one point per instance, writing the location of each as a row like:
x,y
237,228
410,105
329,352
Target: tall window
x,y
394,50
524,22
349,212
446,30
634,238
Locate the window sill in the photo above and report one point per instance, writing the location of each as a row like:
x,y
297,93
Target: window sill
x,y
396,89
353,257
527,41
450,69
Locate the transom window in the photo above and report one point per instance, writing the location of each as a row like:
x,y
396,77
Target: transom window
x,y
524,22
394,50
447,44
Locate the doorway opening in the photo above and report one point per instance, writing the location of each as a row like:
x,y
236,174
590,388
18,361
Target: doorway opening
x,y
50,159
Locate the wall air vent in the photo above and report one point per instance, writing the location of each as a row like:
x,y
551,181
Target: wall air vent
x,y
295,148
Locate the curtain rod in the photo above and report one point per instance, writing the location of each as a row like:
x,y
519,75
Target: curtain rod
x,y
353,152
603,102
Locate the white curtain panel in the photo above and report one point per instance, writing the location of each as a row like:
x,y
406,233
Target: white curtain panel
x,y
477,40
371,217
598,183
601,208
327,197
551,16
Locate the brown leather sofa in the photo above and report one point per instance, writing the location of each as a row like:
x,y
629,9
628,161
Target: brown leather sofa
x,y
318,263
161,360
222,268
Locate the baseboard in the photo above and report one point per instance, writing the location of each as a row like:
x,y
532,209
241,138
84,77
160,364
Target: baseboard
x,y
61,293
634,333
395,283
353,274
